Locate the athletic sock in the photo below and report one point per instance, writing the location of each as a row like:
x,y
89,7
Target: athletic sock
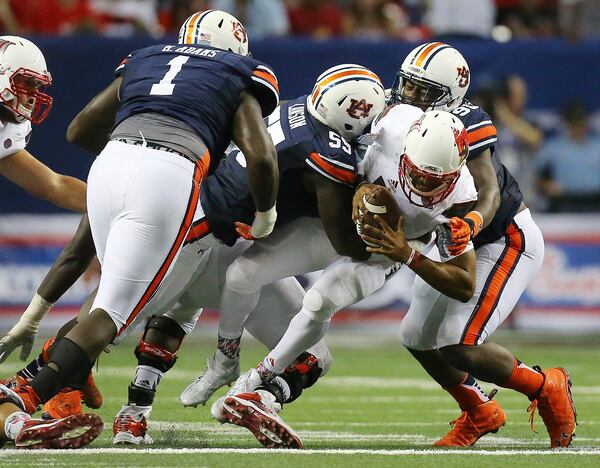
x,y
32,369
230,347
524,379
302,333
147,377
468,393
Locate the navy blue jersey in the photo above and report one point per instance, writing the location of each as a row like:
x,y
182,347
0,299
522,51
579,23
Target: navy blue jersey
x,y
303,144
482,136
200,86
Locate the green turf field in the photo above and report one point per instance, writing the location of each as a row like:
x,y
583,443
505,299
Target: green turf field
x,y
376,408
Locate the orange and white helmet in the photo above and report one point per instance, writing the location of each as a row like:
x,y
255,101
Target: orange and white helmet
x,y
439,71
215,28
23,78
347,98
435,150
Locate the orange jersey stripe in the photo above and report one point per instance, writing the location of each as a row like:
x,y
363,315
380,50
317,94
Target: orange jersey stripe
x,y
423,55
492,290
183,230
481,134
345,175
341,74
268,77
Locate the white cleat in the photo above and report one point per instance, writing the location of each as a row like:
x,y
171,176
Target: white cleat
x,y
131,425
246,383
257,412
220,371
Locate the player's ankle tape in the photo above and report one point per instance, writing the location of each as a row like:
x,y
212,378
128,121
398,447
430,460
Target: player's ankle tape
x,y
140,396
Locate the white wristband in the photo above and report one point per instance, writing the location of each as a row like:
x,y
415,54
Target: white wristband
x,y
264,221
36,311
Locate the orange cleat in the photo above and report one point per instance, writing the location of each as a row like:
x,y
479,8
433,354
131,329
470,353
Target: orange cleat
x,y
91,394
67,433
471,425
63,404
555,405
31,400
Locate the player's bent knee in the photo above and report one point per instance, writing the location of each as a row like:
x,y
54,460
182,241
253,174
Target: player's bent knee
x,y
242,277
318,307
157,355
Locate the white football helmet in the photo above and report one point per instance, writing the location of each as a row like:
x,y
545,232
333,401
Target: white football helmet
x,y
439,74
435,149
215,28
347,98
23,78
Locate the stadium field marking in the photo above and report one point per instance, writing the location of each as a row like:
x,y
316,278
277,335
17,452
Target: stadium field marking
x,y
331,381
182,451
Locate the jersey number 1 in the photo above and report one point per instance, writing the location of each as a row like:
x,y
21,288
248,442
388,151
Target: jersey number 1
x,y
165,86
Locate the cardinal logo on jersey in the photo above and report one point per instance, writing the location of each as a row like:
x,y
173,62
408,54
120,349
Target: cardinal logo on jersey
x,y
359,109
463,74
239,32
462,142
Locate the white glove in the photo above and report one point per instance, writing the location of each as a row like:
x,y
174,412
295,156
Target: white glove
x,y
25,331
264,222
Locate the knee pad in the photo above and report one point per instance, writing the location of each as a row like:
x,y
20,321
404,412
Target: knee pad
x,y
154,355
318,307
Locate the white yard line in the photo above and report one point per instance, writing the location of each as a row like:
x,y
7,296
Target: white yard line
x,y
183,451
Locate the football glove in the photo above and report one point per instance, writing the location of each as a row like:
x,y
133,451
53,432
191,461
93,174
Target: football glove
x,y
23,334
462,230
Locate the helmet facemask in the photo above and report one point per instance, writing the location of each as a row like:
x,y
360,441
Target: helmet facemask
x,y
423,186
429,95
26,97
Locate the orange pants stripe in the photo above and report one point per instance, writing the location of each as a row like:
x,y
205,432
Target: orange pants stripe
x,y
494,285
188,218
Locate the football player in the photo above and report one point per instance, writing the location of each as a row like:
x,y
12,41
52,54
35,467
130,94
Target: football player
x,y
509,248
171,108
317,173
313,136
23,101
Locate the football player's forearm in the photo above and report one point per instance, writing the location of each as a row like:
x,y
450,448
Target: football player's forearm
x,y
70,193
488,202
263,178
70,264
451,280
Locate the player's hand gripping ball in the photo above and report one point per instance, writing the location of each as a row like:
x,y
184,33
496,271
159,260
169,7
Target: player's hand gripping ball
x,y
378,201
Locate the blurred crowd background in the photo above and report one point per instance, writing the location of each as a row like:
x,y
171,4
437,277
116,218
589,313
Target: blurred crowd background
x,y
414,20
556,160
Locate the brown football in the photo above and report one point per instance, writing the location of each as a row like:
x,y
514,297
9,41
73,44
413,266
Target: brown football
x,y
380,201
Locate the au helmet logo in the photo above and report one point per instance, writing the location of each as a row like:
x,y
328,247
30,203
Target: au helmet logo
x,y
463,74
359,109
239,32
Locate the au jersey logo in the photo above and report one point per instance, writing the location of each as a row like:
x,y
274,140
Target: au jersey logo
x,y
359,109
463,74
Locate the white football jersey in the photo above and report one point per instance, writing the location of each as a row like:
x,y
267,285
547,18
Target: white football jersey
x,y
380,166
13,137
